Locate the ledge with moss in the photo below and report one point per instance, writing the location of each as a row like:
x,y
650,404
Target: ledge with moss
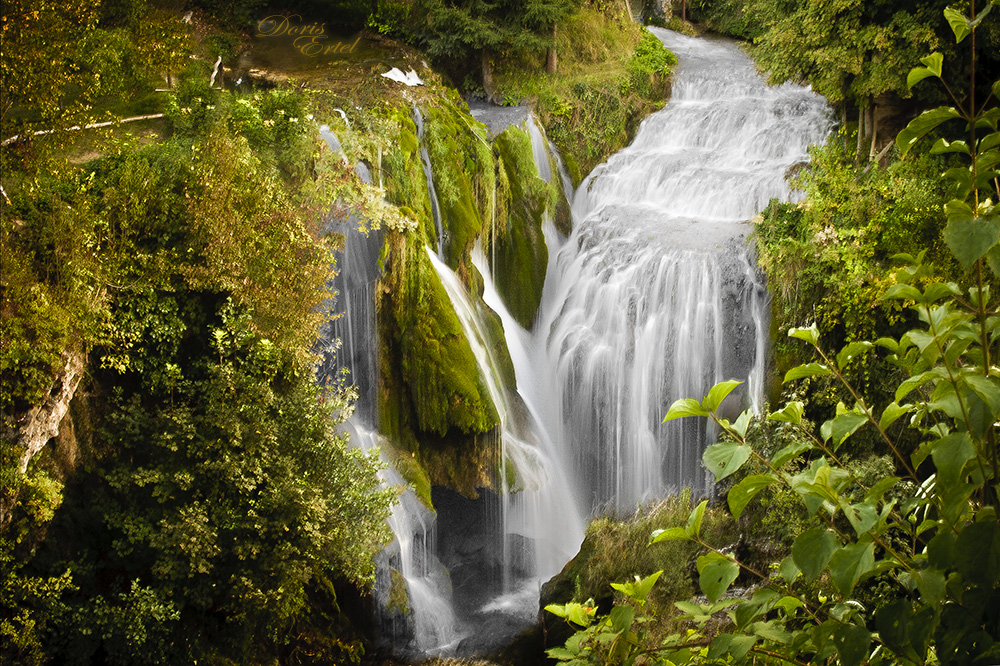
x,y
612,74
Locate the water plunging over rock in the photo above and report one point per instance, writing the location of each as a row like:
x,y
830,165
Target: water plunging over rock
x,y
654,297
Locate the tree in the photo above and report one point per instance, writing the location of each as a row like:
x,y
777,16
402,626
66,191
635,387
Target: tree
x,y
463,29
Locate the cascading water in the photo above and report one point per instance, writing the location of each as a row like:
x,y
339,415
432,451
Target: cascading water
x,y
654,297
425,158
540,523
418,618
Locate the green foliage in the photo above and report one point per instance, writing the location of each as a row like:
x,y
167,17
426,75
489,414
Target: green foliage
x,y
517,248
58,62
221,502
612,74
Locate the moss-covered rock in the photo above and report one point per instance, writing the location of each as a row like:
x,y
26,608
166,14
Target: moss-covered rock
x,y
518,256
464,177
433,404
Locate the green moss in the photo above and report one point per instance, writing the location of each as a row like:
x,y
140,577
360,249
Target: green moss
x,y
519,256
464,177
404,179
398,599
612,74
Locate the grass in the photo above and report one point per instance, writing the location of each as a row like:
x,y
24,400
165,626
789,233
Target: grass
x,y
601,90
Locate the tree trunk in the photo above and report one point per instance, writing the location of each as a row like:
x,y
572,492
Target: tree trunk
x,y
684,11
489,87
550,60
873,128
861,133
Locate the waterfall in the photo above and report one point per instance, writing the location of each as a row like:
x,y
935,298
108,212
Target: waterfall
x,y
540,521
419,618
655,296
425,158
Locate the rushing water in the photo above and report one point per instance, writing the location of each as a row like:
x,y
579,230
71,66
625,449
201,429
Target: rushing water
x,y
655,297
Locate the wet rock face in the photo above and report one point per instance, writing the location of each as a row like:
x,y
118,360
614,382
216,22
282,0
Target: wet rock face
x,y
469,544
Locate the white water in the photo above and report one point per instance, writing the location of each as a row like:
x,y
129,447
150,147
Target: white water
x,y
654,296
425,158
429,626
541,508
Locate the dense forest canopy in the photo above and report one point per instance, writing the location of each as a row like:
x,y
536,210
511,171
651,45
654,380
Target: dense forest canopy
x,y
165,286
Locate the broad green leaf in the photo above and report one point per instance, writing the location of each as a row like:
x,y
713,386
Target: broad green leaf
x,y
725,458
685,407
807,370
845,424
769,632
970,238
923,124
959,24
789,605
918,74
744,491
561,653
904,292
670,534
742,422
810,334
861,516
789,570
639,589
914,382
988,390
621,618
581,614
719,646
759,604
892,623
892,414
813,549
934,62
950,456
557,609
789,452
930,582
718,393
791,413
978,554
942,145
851,351
875,493
850,563
740,645
715,574
852,643
694,520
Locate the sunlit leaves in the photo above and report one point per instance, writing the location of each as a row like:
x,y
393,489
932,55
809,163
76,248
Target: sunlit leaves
x,y
921,125
639,589
743,492
716,573
725,458
933,64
